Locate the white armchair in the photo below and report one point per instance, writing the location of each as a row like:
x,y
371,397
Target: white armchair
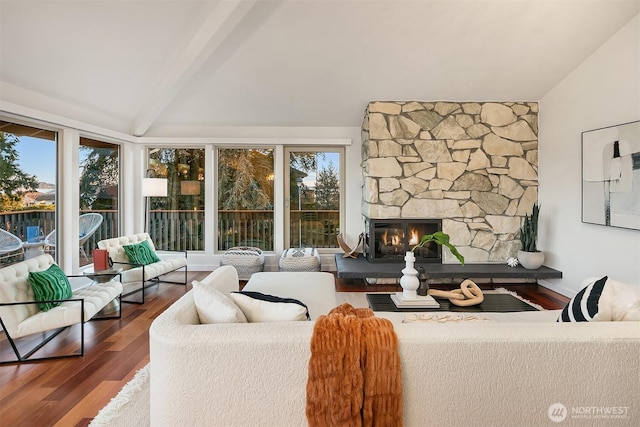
x,y
21,316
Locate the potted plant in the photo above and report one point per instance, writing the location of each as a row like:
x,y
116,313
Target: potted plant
x,y
529,256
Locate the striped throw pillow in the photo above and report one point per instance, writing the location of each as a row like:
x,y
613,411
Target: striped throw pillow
x,y
51,284
585,305
141,253
258,307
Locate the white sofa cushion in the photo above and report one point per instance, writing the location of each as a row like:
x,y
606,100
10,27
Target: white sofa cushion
x,y
114,245
156,269
215,307
317,290
225,279
259,307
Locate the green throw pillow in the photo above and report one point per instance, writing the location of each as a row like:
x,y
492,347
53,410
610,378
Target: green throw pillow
x,y
49,285
141,253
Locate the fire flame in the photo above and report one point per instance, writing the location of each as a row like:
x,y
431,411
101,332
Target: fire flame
x,y
395,240
414,238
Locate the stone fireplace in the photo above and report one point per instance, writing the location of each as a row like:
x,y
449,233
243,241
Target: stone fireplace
x,y
472,165
387,240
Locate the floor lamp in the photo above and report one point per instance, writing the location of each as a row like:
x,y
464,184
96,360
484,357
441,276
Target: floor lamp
x,y
299,184
152,187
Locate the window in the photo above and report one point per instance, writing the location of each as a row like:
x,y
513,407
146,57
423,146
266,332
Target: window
x,y
176,222
314,180
245,198
27,188
99,193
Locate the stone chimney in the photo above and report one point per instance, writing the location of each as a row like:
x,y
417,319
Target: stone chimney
x,y
474,165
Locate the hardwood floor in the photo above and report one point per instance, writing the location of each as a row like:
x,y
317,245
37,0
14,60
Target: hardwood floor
x,y
70,392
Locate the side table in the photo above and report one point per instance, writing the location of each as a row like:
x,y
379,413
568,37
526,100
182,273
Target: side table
x,y
103,276
33,249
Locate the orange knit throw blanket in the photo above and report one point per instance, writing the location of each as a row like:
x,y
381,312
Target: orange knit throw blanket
x,y
355,378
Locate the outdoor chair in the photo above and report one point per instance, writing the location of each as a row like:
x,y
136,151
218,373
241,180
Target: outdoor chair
x,y
89,224
9,243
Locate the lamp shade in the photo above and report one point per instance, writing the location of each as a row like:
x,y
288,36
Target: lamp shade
x,y
154,187
190,188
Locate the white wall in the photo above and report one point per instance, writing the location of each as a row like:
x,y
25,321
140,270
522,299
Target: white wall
x,y
603,91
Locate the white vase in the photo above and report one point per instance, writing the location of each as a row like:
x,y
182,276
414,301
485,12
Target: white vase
x,y
409,280
531,260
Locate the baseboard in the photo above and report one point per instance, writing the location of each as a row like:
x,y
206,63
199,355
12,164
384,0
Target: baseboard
x,y
556,288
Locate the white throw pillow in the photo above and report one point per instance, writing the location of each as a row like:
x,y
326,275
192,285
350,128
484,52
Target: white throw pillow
x,y
603,300
258,307
626,301
215,307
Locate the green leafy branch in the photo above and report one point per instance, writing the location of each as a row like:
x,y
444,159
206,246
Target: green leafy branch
x,y
441,239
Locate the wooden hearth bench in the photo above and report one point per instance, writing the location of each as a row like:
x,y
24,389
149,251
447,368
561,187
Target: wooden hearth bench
x,y
360,268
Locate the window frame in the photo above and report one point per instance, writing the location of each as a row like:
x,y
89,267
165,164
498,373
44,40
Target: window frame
x,y
288,149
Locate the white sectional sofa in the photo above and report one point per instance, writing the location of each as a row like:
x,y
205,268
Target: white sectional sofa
x,y
513,370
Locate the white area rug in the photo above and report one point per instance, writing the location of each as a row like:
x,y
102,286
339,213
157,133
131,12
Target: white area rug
x,y
506,291
130,407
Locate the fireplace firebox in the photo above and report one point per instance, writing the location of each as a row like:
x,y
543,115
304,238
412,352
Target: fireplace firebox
x,y
387,240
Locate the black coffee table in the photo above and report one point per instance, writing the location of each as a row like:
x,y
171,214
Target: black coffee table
x,y
497,303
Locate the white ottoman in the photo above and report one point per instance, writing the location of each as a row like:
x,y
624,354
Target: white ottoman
x,y
299,259
246,259
316,290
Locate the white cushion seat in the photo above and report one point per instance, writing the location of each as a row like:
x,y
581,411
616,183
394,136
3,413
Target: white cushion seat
x,y
96,297
154,270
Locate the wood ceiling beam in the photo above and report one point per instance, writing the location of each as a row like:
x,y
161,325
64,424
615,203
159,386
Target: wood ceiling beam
x,y
224,17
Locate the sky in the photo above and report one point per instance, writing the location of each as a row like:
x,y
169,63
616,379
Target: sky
x,y
310,179
38,157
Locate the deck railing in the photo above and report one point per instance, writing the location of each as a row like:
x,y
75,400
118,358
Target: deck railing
x,y
184,229
315,228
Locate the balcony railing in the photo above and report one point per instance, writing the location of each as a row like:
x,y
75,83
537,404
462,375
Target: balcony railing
x,y
184,230
316,228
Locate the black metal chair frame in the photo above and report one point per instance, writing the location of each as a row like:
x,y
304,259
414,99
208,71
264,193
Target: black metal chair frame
x,y
154,281
26,357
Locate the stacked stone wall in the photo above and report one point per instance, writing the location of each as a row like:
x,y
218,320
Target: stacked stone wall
x,y
472,164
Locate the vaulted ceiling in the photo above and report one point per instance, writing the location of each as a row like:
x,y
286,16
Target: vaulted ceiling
x,y
160,67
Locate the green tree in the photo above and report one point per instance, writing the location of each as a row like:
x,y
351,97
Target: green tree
x,y
13,181
99,172
177,165
245,179
328,188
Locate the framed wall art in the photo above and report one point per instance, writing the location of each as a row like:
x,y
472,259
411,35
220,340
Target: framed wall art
x,y
611,176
